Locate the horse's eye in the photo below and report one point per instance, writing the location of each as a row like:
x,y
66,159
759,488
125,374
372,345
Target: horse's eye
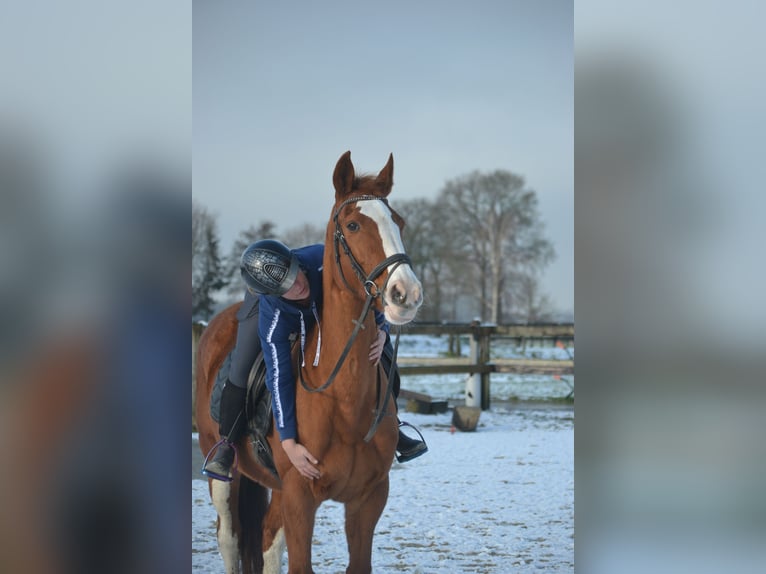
x,y
352,226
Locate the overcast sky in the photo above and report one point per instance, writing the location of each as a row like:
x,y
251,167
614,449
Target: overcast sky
x,y
281,90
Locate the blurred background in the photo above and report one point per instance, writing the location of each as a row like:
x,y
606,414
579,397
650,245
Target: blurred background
x,y
668,240
95,201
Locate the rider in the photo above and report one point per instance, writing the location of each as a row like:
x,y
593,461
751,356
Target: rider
x,y
287,286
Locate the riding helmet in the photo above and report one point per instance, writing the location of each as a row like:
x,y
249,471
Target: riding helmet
x,y
269,267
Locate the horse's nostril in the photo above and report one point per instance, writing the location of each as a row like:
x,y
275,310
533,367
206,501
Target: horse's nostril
x,y
399,297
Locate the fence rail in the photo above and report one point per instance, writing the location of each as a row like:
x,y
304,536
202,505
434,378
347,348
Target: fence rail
x,y
442,366
563,331
478,363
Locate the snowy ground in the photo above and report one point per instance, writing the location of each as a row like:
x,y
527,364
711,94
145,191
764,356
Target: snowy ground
x,y
498,500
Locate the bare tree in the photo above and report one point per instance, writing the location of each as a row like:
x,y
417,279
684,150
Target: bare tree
x,y
439,257
425,239
524,300
305,234
497,229
482,238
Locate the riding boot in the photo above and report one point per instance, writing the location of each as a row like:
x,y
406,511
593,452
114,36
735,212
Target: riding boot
x,y
408,448
231,427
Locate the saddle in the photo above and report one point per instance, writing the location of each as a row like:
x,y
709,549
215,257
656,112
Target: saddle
x,y
257,408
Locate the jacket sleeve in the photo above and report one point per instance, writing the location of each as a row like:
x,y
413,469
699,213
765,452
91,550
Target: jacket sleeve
x,y
275,329
380,321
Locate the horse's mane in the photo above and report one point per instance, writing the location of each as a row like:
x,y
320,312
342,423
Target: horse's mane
x,y
369,183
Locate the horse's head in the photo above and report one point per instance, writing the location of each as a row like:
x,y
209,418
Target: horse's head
x,y
366,234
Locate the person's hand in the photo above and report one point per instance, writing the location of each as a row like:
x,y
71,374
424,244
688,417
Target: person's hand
x,y
376,349
301,458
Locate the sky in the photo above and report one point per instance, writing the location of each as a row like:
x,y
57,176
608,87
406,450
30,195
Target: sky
x,y
280,92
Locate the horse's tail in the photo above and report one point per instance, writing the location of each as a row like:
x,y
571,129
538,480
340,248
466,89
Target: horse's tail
x,y
252,506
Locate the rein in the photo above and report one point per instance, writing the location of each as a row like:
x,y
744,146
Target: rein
x,y
373,292
380,410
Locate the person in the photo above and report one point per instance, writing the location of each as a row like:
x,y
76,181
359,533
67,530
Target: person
x,y
283,298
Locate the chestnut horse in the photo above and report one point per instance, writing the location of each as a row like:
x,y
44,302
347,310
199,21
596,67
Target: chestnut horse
x,y
338,403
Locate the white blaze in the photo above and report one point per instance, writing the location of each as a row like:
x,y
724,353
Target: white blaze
x,y
392,244
387,228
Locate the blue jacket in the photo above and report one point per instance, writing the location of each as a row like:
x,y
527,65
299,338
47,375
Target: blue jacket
x,y
280,318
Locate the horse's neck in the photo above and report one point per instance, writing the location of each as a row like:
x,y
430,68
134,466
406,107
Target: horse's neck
x,y
340,311
340,307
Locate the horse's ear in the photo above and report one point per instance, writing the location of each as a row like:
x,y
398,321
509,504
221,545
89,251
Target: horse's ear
x,y
385,179
343,177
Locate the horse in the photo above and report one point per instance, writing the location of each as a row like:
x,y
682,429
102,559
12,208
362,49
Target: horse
x,y
342,411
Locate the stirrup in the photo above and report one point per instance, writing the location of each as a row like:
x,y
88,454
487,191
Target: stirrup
x,y
406,424
234,464
405,458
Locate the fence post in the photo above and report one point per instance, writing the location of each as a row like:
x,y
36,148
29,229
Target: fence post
x,y
484,361
473,386
455,349
477,385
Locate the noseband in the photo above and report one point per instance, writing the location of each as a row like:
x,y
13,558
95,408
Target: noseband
x,y
367,280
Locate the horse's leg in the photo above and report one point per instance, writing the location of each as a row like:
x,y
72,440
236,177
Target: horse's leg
x,y
273,536
224,496
298,513
361,519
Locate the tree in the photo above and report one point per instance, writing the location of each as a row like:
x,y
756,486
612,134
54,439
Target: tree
x,y
425,238
207,268
305,234
497,229
525,301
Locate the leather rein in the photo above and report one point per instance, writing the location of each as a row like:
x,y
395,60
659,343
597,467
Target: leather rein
x,y
372,292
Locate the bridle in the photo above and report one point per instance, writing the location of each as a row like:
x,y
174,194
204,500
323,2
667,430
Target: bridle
x,y
368,281
372,292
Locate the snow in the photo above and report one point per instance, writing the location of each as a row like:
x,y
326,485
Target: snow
x,y
497,500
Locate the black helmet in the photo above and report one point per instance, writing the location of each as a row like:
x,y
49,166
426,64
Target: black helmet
x,y
269,267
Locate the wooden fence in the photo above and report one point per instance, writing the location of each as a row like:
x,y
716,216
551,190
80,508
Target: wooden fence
x,y
479,362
